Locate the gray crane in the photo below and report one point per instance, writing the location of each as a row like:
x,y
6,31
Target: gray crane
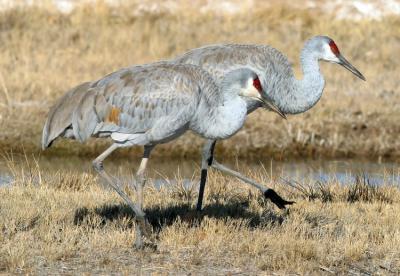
x,y
290,95
151,104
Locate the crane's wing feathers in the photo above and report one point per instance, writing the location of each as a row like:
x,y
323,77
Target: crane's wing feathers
x,y
84,117
133,100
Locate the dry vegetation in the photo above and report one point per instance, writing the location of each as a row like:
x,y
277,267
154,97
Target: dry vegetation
x,y
54,222
59,221
44,53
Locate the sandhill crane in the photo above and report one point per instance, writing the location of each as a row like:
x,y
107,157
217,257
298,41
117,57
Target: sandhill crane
x,y
151,104
290,95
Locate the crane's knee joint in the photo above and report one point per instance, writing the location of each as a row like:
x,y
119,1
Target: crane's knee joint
x,y
215,164
208,153
97,165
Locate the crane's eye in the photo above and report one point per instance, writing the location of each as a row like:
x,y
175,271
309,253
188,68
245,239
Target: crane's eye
x,y
257,84
334,48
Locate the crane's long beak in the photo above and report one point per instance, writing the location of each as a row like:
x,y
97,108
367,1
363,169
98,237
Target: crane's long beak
x,y
348,66
271,106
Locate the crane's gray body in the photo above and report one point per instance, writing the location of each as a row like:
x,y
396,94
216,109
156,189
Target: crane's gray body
x,y
148,104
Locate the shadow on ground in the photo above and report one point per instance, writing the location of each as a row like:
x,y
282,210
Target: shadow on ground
x,y
160,217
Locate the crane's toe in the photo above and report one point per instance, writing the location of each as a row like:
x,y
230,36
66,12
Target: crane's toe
x,y
277,199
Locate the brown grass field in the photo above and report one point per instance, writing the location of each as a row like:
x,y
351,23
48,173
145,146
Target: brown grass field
x,y
60,221
53,222
44,53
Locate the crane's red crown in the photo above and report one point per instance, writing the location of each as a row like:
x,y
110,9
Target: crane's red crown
x,y
257,84
334,48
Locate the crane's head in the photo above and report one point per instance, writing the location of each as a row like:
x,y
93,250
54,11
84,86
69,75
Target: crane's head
x,y
327,50
248,85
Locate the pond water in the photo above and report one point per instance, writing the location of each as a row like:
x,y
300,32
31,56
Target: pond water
x,y
166,170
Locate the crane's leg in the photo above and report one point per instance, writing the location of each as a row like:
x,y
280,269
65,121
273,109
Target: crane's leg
x,y
139,214
140,181
209,160
268,193
206,161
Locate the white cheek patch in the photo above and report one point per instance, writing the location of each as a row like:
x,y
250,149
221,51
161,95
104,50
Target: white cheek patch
x,y
251,91
329,55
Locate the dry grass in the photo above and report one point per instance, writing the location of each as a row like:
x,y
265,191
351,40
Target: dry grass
x,y
63,222
52,223
44,53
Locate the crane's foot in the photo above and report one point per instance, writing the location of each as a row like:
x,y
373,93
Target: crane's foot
x,y
139,241
140,245
144,237
277,199
148,246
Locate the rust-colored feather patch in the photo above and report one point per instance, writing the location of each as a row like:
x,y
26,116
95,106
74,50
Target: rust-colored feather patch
x,y
113,115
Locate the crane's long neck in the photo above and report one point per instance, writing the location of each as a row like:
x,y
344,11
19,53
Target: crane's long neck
x,y
301,95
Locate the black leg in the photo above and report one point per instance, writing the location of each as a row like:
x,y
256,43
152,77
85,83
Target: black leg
x,y
207,159
268,193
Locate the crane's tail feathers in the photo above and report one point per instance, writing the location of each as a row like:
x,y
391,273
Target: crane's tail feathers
x,y
59,118
84,117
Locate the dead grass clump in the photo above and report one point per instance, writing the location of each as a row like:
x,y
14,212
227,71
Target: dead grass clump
x,y
183,189
26,171
359,190
363,190
72,181
313,191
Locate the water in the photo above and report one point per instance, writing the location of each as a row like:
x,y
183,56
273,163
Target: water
x,y
343,171
166,171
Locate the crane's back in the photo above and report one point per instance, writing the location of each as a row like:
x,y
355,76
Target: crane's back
x,y
268,63
130,100
221,58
